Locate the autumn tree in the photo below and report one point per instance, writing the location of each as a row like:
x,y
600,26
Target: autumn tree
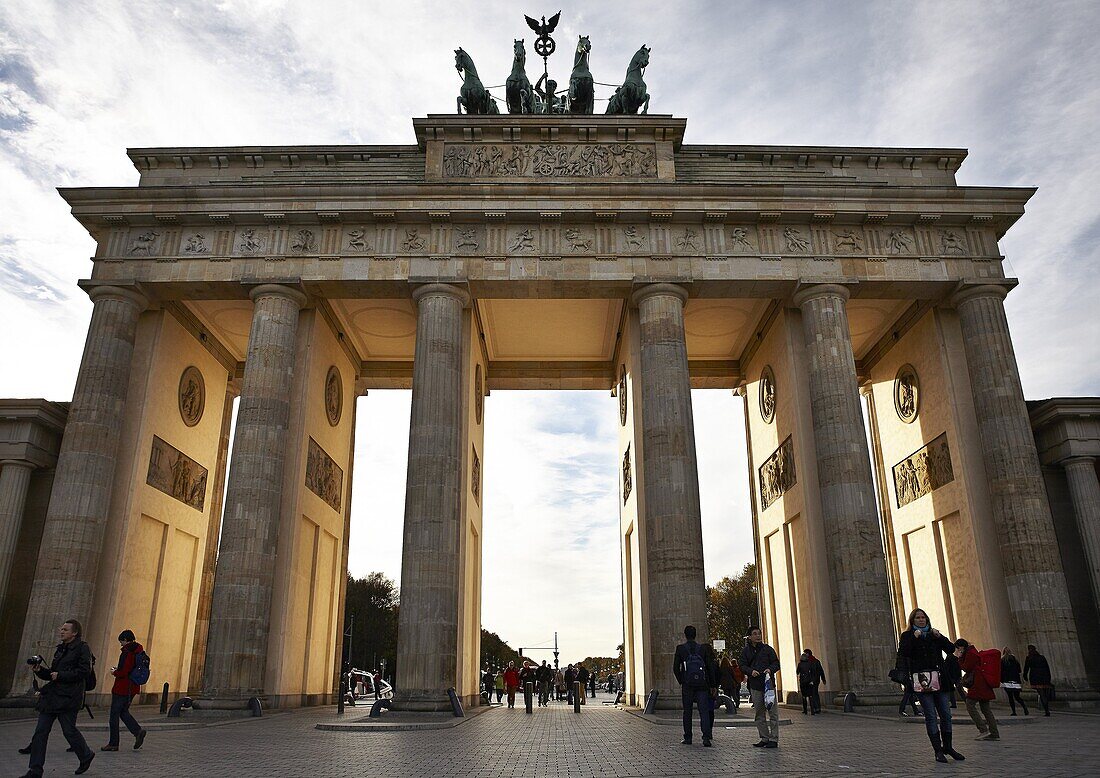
x,y
373,601
732,607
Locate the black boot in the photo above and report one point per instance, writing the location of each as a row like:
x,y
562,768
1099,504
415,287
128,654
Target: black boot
x,y
949,749
937,746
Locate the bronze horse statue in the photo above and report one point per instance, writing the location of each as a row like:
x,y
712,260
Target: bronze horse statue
x,y
517,89
473,96
581,94
632,94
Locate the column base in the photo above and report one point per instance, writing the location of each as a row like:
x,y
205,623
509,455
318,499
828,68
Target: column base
x,y
422,700
872,697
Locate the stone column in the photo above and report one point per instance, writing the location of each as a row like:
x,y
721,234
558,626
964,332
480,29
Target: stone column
x,y
1084,491
427,635
15,478
240,613
1037,591
72,538
672,521
862,614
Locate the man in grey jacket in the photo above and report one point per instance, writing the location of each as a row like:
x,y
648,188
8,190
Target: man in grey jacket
x,y
758,659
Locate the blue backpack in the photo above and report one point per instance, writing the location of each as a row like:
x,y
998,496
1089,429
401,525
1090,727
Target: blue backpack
x,y
140,674
695,671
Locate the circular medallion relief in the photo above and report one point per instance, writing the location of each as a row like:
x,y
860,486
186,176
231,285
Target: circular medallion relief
x,y
334,395
767,394
907,394
621,391
479,395
192,396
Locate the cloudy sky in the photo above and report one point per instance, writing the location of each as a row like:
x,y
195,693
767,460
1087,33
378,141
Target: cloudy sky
x,y
1016,83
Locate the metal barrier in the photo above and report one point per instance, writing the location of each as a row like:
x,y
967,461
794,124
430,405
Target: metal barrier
x,y
576,696
850,702
651,703
179,705
528,693
164,699
255,706
456,704
376,709
725,699
618,697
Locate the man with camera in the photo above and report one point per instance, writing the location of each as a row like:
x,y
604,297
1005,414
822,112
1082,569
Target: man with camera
x,y
62,697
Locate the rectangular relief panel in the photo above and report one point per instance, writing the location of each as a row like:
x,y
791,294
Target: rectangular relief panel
x,y
777,474
324,477
176,474
530,160
923,471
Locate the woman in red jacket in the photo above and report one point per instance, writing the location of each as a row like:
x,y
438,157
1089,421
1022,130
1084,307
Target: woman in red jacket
x,y
978,691
122,693
511,683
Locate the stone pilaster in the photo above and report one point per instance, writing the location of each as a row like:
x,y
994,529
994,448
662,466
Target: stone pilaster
x,y
427,636
237,643
865,641
15,478
1037,591
72,538
1084,491
672,521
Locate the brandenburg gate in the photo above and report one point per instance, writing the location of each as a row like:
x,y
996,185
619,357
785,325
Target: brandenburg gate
x,y
837,290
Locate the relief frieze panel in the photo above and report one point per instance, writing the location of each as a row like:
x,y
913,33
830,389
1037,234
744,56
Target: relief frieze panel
x,y
176,474
529,160
323,476
777,474
923,471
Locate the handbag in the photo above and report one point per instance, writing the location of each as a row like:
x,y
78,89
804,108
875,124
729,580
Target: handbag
x,y
927,681
897,675
769,691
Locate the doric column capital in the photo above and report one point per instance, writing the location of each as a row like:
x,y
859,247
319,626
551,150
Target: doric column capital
x,y
653,290
124,294
807,292
975,291
17,463
441,290
1081,462
277,290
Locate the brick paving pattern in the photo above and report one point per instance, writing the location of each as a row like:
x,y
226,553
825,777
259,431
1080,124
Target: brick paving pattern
x,y
600,742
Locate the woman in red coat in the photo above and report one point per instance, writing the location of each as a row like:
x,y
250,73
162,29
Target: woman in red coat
x,y
978,691
122,693
511,683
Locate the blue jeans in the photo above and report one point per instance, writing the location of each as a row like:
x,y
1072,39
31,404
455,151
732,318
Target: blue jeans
x,y
932,703
120,709
700,698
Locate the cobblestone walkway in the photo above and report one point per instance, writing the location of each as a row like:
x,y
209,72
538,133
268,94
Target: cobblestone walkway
x,y
600,742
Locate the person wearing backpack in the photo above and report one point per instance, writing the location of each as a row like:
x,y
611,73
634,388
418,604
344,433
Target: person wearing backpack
x,y
68,676
810,675
697,672
132,671
758,661
979,691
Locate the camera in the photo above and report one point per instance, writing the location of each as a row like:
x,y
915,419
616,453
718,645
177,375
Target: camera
x,y
35,660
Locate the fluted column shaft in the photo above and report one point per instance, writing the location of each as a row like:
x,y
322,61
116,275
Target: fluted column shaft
x,y
15,479
862,620
427,637
673,528
1084,491
1037,592
72,537
240,613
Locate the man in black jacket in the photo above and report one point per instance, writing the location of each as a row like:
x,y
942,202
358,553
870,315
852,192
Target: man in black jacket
x,y
696,670
758,659
62,697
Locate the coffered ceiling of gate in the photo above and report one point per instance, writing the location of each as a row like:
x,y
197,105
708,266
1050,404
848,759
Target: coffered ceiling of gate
x,y
228,320
869,320
550,330
720,329
380,329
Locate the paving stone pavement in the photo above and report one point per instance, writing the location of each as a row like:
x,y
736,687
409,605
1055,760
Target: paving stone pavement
x,y
600,742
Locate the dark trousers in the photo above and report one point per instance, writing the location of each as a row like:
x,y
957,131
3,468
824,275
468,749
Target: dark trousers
x,y
700,698
120,709
41,737
810,695
908,697
933,703
1044,698
1013,698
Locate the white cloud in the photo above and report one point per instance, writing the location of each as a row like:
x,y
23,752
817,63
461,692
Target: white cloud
x,y
1019,84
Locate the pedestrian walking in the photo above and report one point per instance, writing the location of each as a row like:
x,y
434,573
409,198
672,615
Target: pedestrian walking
x,y
498,686
511,683
908,696
592,684
132,671
68,676
582,676
488,681
727,679
759,662
696,670
979,692
810,675
1010,680
922,653
1037,673
545,678
559,684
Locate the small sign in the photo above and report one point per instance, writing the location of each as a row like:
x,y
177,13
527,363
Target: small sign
x,y
719,645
